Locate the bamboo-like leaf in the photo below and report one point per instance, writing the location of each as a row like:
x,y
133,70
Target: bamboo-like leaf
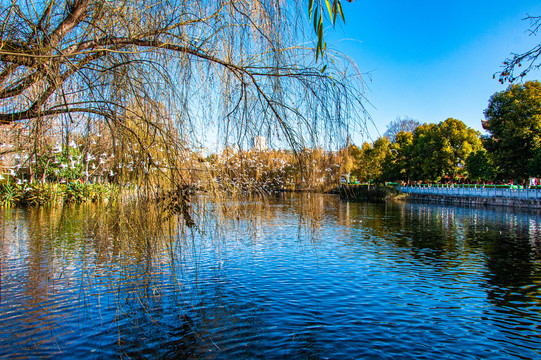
x,y
319,48
315,19
324,68
330,10
341,12
334,11
310,8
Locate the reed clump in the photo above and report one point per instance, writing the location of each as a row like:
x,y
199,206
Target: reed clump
x,y
46,194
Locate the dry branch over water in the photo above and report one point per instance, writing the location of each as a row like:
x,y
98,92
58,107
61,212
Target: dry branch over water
x,y
130,92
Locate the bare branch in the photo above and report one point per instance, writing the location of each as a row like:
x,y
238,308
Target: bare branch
x,y
519,65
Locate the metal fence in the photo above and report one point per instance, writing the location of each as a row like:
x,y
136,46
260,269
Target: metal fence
x,y
473,192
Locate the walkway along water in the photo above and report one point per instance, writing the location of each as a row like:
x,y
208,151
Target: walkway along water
x,y
468,194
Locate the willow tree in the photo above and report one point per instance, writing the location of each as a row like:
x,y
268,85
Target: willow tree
x,y
236,68
232,63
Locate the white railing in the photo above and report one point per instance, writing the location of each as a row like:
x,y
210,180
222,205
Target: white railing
x,y
466,191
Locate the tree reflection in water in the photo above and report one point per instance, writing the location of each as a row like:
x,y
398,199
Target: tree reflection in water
x,y
290,275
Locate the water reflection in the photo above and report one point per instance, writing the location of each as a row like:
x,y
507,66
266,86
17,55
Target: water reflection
x,y
506,242
289,276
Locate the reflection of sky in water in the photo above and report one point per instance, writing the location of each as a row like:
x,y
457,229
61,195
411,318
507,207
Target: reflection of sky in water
x,y
297,277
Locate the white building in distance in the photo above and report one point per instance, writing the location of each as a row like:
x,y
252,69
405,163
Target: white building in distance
x,y
259,143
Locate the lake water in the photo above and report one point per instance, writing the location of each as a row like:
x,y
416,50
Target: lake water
x,y
295,277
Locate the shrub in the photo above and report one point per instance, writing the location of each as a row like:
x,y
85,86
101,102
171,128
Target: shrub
x,y
38,194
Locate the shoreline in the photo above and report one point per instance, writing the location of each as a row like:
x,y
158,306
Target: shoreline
x,y
477,201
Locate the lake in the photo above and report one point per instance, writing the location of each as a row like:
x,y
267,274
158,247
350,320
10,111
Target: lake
x,y
295,276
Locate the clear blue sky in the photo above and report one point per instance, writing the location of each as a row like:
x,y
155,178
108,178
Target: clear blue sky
x,y
431,60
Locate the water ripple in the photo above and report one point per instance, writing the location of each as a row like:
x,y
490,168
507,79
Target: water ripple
x,y
375,281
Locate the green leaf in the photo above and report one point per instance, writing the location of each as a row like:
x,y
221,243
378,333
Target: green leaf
x,y
324,68
320,33
310,8
319,48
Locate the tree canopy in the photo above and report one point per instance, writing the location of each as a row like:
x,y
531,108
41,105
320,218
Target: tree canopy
x,y
430,152
480,166
399,164
369,159
513,120
400,124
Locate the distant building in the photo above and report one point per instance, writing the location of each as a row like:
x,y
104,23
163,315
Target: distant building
x,y
259,143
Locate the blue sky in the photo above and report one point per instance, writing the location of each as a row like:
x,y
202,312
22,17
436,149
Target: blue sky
x,y
431,60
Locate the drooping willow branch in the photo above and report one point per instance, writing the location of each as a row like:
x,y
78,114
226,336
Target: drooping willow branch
x,y
102,53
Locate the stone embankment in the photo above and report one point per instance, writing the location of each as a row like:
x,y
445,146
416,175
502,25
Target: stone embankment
x,y
527,198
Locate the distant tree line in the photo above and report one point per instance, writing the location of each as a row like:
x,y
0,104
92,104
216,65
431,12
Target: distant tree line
x,y
451,151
